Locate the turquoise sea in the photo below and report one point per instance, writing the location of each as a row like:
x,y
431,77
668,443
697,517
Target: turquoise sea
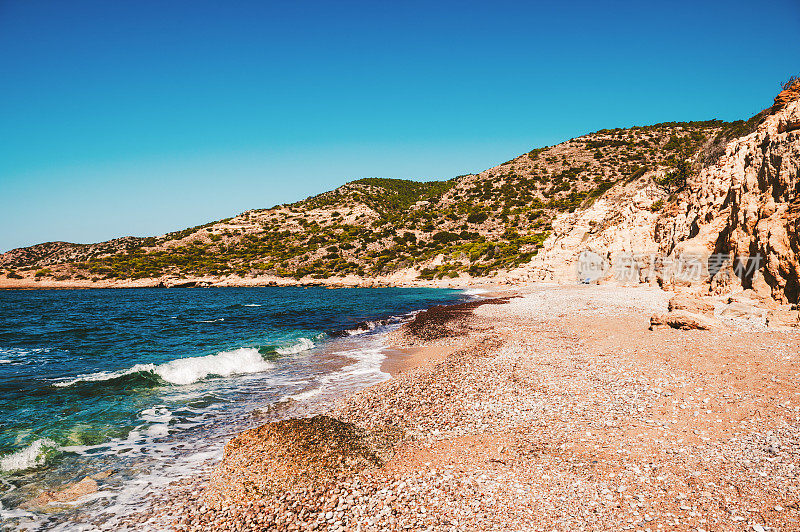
x,y
142,387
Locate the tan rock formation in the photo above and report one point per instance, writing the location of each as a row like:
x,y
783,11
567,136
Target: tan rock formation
x,y
681,319
734,227
695,305
786,96
747,205
619,227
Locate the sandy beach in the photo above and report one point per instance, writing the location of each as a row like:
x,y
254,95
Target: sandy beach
x,y
557,409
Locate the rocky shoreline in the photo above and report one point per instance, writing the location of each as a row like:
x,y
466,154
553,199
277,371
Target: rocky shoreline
x,y
559,409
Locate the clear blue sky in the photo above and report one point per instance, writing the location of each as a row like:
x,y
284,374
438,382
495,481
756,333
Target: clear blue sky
x,y
142,117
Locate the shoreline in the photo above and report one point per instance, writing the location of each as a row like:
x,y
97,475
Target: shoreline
x,y
346,338
30,283
406,354
557,410
410,357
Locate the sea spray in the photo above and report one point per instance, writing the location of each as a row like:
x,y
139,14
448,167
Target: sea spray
x,y
236,362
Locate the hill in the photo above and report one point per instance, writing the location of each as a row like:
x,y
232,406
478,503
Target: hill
x,y
614,190
475,224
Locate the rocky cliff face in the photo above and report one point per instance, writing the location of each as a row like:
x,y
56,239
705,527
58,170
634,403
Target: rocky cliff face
x,y
734,226
747,207
617,230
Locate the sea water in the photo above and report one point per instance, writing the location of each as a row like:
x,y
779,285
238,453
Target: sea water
x,y
138,388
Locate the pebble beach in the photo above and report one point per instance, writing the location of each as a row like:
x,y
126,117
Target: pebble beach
x,y
555,408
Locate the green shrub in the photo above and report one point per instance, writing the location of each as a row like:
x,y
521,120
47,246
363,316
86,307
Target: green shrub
x,y
477,217
525,199
446,237
675,180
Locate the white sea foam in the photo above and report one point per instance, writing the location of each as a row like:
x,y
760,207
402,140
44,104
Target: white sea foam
x,y
303,344
158,430
236,362
5,361
364,369
14,514
474,291
366,327
251,305
20,353
106,375
156,415
30,456
188,370
369,326
167,454
302,396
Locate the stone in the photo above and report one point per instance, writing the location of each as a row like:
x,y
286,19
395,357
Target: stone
x,y
692,304
747,297
783,318
71,492
742,310
786,96
681,319
761,288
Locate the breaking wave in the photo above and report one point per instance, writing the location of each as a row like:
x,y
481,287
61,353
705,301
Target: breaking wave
x,y
31,456
369,326
187,370
303,344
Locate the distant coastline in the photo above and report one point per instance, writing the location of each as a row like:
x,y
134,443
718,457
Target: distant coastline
x,y
30,283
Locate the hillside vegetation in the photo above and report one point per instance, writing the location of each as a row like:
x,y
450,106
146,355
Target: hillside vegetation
x,y
475,224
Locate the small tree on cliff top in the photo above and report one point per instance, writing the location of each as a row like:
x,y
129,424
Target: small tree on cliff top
x,y
786,85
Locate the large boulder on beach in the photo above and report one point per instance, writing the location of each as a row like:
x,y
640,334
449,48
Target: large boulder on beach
x,y
681,319
743,310
783,317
